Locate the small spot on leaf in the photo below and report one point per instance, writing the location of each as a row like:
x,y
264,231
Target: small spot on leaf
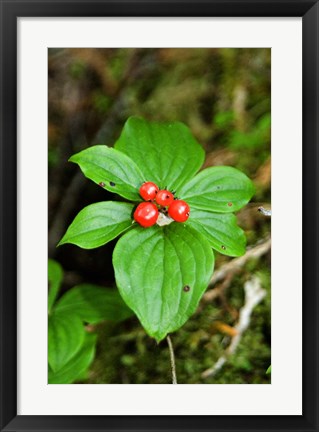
x,y
230,204
186,288
223,247
101,184
112,184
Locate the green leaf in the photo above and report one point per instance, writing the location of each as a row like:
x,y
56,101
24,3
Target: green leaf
x,y
94,304
110,169
99,223
162,273
268,371
65,338
167,153
55,276
218,189
220,230
77,367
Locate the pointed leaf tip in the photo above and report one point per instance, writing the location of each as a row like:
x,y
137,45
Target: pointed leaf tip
x,y
218,189
99,223
115,170
167,153
162,273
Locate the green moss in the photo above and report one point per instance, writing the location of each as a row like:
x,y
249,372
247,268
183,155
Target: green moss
x,y
126,355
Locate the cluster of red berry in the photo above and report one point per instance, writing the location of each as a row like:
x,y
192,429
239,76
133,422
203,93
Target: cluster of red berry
x,y
146,213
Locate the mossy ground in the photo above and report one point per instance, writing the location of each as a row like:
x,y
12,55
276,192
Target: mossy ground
x,y
125,354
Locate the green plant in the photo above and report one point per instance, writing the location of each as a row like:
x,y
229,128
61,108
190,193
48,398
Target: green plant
x,y
71,347
163,270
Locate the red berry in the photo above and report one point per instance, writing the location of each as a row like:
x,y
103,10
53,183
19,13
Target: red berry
x,y
146,214
164,198
148,191
179,211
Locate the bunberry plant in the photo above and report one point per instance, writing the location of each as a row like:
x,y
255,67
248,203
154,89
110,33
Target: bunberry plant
x,y
161,269
71,348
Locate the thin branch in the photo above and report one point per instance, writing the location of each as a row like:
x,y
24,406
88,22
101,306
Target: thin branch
x,y
235,265
217,291
172,356
254,294
264,211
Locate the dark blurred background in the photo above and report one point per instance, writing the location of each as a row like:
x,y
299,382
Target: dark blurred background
x,y
223,96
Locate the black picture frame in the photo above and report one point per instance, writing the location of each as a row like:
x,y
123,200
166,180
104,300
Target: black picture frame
x,y
10,11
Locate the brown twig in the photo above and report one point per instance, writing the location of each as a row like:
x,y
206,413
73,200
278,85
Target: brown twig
x,y
229,269
254,294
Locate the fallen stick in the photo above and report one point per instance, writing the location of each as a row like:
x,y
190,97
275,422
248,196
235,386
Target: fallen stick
x,y
255,252
227,270
254,294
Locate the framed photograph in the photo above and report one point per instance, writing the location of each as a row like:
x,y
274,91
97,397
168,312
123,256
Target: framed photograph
x,y
192,132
